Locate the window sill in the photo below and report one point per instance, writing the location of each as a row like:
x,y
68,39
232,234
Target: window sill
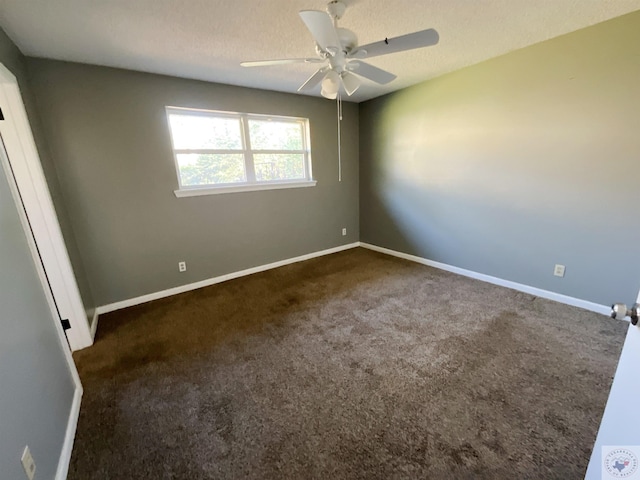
x,y
197,191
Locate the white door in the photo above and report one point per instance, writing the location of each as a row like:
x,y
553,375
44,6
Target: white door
x,y
619,432
24,166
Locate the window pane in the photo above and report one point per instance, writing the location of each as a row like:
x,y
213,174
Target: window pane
x,y
278,166
199,132
274,135
209,169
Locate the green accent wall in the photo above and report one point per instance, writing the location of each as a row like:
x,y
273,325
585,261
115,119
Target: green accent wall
x,y
516,164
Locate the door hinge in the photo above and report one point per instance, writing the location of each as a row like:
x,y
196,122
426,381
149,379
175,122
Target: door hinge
x,y
66,324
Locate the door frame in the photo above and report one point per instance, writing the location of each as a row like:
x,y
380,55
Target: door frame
x,y
74,412
621,401
33,191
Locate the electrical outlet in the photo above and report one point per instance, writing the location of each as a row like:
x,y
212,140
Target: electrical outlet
x,y
182,266
27,463
558,271
344,232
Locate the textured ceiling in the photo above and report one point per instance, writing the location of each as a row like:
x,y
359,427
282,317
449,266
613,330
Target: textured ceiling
x,y
207,39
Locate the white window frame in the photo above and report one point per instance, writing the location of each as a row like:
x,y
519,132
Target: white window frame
x,y
251,184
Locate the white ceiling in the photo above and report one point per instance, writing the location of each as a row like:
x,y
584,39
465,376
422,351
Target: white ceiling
x,y
207,39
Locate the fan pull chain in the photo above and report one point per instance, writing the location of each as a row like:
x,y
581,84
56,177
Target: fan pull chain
x,y
339,102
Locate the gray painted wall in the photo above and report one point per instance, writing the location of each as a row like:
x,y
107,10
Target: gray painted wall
x,y
109,137
11,58
513,165
36,387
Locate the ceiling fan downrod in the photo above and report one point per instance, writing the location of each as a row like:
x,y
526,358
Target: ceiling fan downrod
x,y
336,9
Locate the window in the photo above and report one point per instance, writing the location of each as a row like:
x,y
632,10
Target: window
x,y
217,152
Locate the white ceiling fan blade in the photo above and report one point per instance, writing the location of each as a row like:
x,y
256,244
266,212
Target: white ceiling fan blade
x,y
423,38
313,80
322,29
284,61
369,71
350,82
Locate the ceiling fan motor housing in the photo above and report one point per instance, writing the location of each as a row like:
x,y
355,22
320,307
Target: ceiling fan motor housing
x,y
348,39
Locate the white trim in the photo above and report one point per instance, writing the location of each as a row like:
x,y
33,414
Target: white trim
x,y
13,187
70,434
576,302
94,324
43,222
222,278
194,192
67,446
594,307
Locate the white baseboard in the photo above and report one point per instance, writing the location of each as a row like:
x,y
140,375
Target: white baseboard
x,y
212,281
67,446
576,302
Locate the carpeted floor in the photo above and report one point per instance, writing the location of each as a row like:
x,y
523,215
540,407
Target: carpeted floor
x,y
350,366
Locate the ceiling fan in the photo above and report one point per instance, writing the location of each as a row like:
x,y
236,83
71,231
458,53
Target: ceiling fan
x,y
341,57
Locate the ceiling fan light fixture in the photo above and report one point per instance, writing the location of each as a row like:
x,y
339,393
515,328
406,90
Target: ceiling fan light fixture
x,y
330,96
330,85
350,82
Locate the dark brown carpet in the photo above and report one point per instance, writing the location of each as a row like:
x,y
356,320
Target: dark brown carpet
x,y
351,366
